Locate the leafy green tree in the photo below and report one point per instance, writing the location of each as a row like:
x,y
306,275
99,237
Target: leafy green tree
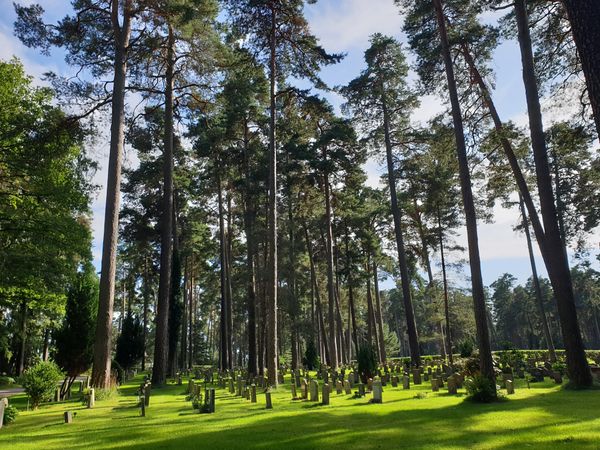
x,y
74,341
130,343
40,382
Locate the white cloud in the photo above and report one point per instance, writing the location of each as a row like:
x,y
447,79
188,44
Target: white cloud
x,y
347,24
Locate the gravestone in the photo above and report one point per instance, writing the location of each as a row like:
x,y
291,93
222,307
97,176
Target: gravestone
x,y
57,395
3,406
405,382
557,377
268,402
505,378
190,388
426,376
304,389
91,400
253,393
361,389
326,394
435,385
416,376
377,392
395,381
147,390
209,400
238,392
68,417
452,386
314,391
347,387
510,388
370,384
338,387
294,392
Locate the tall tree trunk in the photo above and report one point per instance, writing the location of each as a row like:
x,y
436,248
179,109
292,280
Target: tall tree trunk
x,y
23,339
146,296
103,339
585,17
46,348
579,371
228,253
192,309
483,337
249,220
223,354
379,315
411,325
371,321
330,281
161,340
536,285
445,282
295,307
272,219
351,292
186,280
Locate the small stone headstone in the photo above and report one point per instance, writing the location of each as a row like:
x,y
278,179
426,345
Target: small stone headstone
x,y
314,391
294,392
510,388
68,417
269,403
304,389
3,406
253,393
325,394
452,386
435,385
416,376
147,390
338,387
557,377
347,387
361,389
405,382
370,384
91,400
377,392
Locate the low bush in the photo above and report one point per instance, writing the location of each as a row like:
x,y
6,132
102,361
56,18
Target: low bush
x,y
40,382
465,348
367,362
10,414
480,389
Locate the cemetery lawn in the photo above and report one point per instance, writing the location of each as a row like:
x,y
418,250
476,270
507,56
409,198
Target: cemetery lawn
x,y
544,416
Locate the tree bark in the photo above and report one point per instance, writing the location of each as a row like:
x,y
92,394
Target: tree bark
x,y
445,282
579,371
411,325
536,285
272,219
103,340
379,314
483,338
161,340
224,353
584,17
333,351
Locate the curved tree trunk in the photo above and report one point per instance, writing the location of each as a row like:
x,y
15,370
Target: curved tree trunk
x,y
331,318
579,371
379,315
483,337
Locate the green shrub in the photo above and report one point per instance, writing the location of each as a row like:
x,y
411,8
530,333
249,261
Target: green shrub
x,y
40,382
6,381
480,389
559,367
10,414
105,394
465,348
367,362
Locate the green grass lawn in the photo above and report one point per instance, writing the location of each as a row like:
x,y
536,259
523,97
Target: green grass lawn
x,y
544,416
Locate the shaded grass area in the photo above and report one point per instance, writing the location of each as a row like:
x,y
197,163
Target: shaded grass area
x,y
544,416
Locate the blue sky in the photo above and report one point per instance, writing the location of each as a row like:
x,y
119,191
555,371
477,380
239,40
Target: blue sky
x,y
343,26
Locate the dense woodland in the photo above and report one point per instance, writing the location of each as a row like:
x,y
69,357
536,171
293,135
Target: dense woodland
x,y
245,235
